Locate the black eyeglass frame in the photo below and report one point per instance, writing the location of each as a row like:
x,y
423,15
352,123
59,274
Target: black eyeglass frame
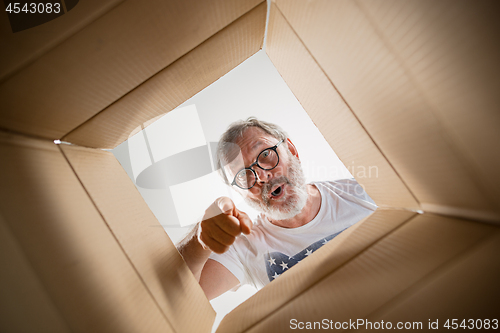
x,y
275,148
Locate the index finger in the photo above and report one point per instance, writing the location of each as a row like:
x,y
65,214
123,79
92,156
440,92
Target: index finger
x,y
220,206
226,205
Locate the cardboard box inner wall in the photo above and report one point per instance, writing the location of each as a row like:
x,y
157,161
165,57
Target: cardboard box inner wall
x,y
409,87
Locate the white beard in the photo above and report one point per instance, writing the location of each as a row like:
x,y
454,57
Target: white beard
x,y
296,194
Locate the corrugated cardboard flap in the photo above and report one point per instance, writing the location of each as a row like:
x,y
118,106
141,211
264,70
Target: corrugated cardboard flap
x,y
77,259
23,292
27,46
176,83
142,238
333,116
109,57
404,70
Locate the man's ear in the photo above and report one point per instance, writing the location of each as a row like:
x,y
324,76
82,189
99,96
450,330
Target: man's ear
x,y
292,148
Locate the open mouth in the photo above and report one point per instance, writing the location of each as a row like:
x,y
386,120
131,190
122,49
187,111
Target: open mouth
x,y
278,192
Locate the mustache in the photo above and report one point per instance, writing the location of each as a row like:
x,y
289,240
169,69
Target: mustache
x,y
267,187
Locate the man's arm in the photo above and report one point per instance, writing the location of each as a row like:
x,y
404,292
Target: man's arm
x,y
193,252
216,279
221,224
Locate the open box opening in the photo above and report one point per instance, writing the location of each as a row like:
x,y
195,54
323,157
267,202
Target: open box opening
x,y
169,161
410,87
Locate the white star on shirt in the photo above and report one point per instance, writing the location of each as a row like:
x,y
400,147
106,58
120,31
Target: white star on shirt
x,y
275,275
271,261
283,265
290,258
308,252
325,241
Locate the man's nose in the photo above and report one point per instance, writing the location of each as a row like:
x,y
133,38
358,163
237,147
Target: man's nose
x,y
263,176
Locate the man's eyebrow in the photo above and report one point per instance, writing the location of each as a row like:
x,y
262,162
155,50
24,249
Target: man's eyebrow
x,y
254,148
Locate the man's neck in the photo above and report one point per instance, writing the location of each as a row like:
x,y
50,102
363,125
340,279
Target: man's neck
x,y
307,214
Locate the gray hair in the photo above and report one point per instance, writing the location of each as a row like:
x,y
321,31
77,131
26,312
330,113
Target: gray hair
x,y
235,132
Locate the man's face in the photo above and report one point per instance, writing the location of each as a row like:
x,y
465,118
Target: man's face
x,y
279,193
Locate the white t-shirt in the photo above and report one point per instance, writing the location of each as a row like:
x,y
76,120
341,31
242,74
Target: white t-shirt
x,y
270,250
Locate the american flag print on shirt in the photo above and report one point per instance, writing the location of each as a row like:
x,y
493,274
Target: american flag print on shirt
x,y
278,263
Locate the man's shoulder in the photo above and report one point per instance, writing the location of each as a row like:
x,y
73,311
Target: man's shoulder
x,y
348,185
346,188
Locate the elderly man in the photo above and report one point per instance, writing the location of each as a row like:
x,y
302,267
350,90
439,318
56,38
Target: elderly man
x,y
226,249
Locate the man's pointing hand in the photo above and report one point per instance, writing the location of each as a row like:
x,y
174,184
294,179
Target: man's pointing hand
x,y
221,224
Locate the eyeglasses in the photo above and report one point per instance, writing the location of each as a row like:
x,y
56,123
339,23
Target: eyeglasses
x,y
268,159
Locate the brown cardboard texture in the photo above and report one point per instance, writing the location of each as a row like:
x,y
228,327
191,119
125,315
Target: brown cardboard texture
x,y
104,60
73,254
423,73
409,87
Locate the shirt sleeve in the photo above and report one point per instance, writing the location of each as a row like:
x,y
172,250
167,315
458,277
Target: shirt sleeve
x,y
231,261
351,188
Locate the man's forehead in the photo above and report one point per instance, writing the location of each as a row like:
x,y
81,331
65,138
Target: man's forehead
x,y
243,150
253,139
250,144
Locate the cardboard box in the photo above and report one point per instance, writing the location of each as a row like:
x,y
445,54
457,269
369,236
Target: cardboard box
x,y
410,87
